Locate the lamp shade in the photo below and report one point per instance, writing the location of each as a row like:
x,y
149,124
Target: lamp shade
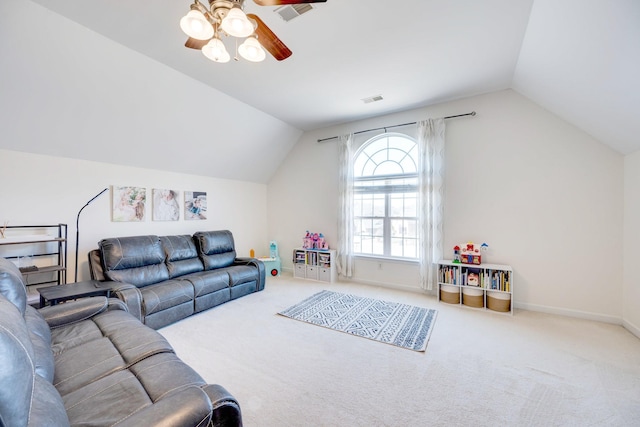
x,y
251,50
237,24
195,25
215,51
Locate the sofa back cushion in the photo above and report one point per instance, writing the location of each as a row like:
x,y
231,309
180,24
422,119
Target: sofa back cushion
x,y
11,285
95,265
40,337
182,255
138,260
215,248
26,398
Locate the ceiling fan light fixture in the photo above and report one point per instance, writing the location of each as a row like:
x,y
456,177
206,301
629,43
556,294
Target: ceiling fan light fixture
x,y
251,50
215,51
237,24
194,24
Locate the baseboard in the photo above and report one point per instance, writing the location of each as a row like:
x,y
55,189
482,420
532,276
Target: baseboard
x,y
598,317
570,313
631,328
386,285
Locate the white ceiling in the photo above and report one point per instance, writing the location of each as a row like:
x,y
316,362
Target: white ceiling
x,y
578,58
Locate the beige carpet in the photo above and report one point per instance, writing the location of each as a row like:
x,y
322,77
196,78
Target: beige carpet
x,y
480,368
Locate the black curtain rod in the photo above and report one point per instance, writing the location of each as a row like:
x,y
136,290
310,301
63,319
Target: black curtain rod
x,y
473,113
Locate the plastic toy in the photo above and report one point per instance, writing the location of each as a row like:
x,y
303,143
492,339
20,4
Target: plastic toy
x,y
272,263
470,254
314,241
456,254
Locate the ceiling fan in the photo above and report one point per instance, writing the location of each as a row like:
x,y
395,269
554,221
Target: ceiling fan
x,y
205,25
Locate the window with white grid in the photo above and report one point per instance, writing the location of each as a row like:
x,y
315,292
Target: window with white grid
x,y
386,197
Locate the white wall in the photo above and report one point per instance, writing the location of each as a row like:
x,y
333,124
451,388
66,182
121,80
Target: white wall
x,y
545,196
39,189
631,308
70,92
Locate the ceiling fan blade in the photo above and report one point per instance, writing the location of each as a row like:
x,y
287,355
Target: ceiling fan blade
x,y
195,43
269,40
283,2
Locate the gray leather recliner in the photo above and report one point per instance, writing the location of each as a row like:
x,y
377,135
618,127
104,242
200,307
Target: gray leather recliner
x,y
89,362
176,276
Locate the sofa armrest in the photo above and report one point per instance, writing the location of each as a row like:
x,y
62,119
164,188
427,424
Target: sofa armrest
x,y
129,294
188,407
254,262
73,311
226,410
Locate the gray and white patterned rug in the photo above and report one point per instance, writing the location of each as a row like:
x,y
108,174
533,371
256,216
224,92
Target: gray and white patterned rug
x,y
393,323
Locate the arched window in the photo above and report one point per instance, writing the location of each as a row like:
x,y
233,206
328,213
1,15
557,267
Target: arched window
x,y
385,207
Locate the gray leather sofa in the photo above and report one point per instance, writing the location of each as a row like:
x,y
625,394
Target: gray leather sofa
x,y
176,276
89,362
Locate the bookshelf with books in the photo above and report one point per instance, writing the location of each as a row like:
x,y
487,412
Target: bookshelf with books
x,y
484,286
316,264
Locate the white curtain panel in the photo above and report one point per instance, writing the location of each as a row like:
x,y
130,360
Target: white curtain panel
x,y
344,262
431,186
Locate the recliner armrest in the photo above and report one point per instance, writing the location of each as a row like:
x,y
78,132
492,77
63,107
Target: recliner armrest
x,y
254,262
129,294
73,311
188,407
226,409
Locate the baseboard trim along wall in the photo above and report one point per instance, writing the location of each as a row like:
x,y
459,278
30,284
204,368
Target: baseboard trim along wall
x,y
598,317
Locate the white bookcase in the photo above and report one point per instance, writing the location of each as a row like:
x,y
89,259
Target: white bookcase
x,y
483,287
314,264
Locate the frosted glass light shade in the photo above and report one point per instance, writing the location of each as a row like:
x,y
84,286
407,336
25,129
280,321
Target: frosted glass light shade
x,y
195,25
215,51
251,50
237,24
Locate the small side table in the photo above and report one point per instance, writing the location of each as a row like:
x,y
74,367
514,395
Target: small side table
x,y
59,293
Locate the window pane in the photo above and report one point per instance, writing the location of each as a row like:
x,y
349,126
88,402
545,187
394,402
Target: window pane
x,y
410,228
396,207
396,247
379,205
389,168
411,205
377,227
378,246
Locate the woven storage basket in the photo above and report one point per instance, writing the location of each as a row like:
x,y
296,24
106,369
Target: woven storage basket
x,y
473,297
449,294
498,301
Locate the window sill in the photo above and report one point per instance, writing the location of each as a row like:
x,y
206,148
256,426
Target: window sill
x,y
379,258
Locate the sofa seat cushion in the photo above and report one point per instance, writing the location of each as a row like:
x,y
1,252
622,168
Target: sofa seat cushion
x,y
165,295
124,395
123,341
206,282
182,255
241,274
82,365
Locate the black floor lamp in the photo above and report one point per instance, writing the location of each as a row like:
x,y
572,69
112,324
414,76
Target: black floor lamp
x,y
75,277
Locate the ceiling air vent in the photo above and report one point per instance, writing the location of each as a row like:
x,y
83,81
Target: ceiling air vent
x,y
372,99
293,10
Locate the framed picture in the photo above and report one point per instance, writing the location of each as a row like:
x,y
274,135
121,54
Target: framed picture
x,y
195,205
165,205
128,203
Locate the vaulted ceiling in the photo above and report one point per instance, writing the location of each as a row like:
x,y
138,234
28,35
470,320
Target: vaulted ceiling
x,y
579,59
